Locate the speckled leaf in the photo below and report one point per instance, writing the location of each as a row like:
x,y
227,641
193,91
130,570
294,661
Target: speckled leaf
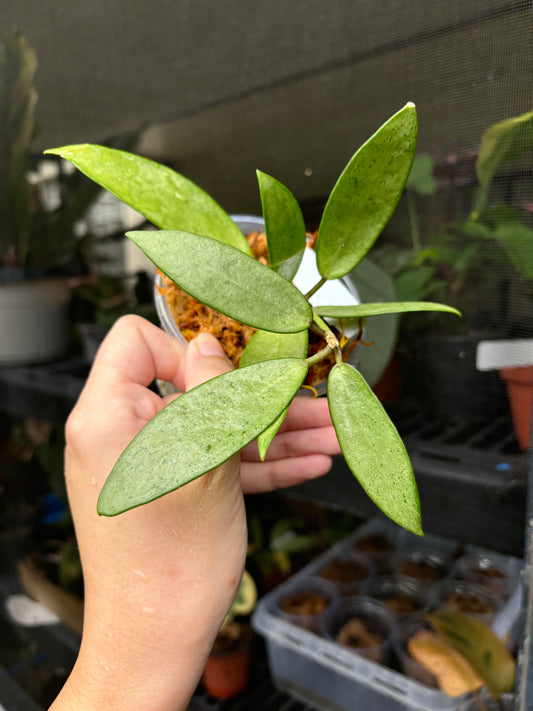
x,y
164,197
390,307
372,447
226,279
199,431
265,345
284,226
366,195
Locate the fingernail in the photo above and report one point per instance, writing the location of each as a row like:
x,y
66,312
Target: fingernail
x,y
209,346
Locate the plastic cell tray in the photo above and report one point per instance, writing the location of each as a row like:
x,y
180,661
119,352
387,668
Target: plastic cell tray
x,y
319,671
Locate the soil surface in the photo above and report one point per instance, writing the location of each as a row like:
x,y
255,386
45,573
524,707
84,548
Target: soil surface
x,y
232,637
465,602
400,604
306,602
355,633
374,543
340,570
422,570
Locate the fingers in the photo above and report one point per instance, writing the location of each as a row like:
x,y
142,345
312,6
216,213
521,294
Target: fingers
x,y
296,443
204,360
306,412
259,477
137,351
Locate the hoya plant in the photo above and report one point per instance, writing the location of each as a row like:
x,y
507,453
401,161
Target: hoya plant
x,y
200,248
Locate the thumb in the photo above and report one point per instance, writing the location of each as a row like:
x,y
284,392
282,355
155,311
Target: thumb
x,y
204,360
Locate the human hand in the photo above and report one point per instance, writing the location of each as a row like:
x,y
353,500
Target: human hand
x,y
160,578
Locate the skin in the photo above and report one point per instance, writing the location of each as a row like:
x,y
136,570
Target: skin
x,y
160,578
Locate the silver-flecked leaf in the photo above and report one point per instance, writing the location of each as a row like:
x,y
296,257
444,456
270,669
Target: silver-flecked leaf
x,y
372,447
227,280
199,431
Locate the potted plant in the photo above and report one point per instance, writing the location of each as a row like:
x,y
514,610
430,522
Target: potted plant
x,y
272,549
200,248
227,668
483,261
38,246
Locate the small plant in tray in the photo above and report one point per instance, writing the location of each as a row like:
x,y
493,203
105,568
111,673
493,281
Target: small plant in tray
x,y
200,249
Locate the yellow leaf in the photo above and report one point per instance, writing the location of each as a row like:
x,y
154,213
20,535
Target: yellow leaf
x,y
454,674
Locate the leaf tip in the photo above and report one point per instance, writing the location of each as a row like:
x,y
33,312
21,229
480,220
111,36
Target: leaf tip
x,y
66,151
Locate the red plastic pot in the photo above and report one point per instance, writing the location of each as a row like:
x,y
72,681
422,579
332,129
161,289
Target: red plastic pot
x,y
226,673
519,383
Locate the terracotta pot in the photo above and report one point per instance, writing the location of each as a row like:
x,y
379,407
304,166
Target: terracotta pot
x,y
226,673
519,383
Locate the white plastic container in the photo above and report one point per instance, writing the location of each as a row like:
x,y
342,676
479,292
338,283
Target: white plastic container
x,y
335,292
319,671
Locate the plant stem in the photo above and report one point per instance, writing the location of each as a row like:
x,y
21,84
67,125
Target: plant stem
x,y
316,287
413,218
324,353
330,338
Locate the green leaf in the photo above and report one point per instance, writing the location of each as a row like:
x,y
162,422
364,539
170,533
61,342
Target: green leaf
x,y
227,280
374,284
393,307
421,178
366,194
265,345
199,431
164,197
284,225
517,241
372,447
501,144
266,437
479,645
417,283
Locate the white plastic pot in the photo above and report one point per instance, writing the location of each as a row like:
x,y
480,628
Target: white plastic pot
x,y
33,321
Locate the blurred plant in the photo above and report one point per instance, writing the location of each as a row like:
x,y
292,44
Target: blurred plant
x,y
33,237
464,654
468,261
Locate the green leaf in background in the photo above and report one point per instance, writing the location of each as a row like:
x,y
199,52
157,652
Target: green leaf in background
x,y
18,97
421,178
501,144
164,197
284,226
372,284
479,645
199,431
265,345
366,194
372,447
417,283
227,280
393,307
517,241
